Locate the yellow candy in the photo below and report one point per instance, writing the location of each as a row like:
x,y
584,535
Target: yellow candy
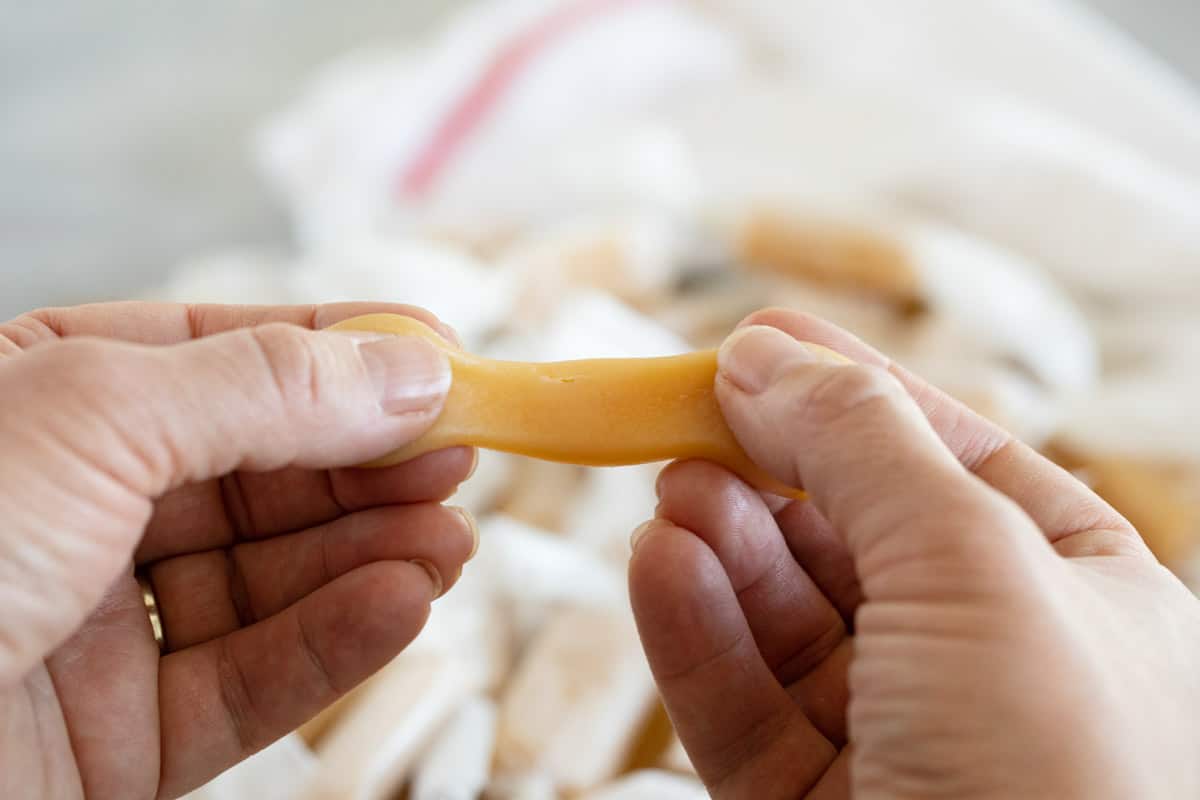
x,y
597,412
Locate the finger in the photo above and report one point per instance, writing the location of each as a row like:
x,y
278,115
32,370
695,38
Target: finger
x,y
94,429
172,323
257,398
971,438
206,595
835,783
797,629
101,674
733,717
220,512
224,700
823,555
432,477
823,693
1076,521
1062,506
793,623
912,517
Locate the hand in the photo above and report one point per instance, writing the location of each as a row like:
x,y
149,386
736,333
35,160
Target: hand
x,y
210,453
951,616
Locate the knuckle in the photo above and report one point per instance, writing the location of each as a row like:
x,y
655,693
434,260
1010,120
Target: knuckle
x,y
237,699
977,529
801,319
90,368
17,335
74,352
34,324
846,392
779,317
292,363
95,398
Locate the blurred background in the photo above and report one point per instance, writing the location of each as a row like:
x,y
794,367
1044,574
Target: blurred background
x,y
124,128
1004,197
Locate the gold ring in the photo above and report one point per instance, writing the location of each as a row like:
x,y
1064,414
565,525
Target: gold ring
x,y
151,602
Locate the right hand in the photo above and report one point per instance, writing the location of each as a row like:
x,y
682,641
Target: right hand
x,y
951,615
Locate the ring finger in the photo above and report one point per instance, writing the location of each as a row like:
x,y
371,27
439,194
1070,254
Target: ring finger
x,y
205,595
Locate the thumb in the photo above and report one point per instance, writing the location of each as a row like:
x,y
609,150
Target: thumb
x,y
256,398
91,431
913,517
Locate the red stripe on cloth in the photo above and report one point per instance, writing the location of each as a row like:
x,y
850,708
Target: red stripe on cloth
x,y
466,115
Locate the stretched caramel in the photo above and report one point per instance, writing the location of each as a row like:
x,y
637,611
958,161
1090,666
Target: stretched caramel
x,y
596,412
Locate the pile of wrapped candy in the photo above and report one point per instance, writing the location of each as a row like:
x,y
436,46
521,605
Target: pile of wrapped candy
x,y
1004,198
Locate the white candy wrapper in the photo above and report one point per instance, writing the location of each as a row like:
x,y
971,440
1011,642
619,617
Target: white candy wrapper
x,y
367,755
472,626
279,772
1156,414
637,258
493,472
586,323
458,762
469,295
521,786
358,151
1103,217
1057,54
1006,304
575,702
613,502
533,571
651,785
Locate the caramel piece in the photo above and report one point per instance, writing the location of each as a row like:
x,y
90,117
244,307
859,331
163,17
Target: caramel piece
x,y
654,737
597,412
833,254
676,759
1159,498
313,732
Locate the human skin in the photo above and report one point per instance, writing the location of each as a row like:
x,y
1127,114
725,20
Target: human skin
x,y
209,445
1012,636
950,616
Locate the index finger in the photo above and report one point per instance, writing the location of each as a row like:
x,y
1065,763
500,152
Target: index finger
x,y
1075,520
172,323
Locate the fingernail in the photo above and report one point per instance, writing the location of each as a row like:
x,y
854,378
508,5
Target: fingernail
x,y
639,533
474,464
472,529
409,373
435,577
752,356
450,335
441,328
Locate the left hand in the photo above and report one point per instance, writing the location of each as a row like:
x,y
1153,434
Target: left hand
x,y
220,467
